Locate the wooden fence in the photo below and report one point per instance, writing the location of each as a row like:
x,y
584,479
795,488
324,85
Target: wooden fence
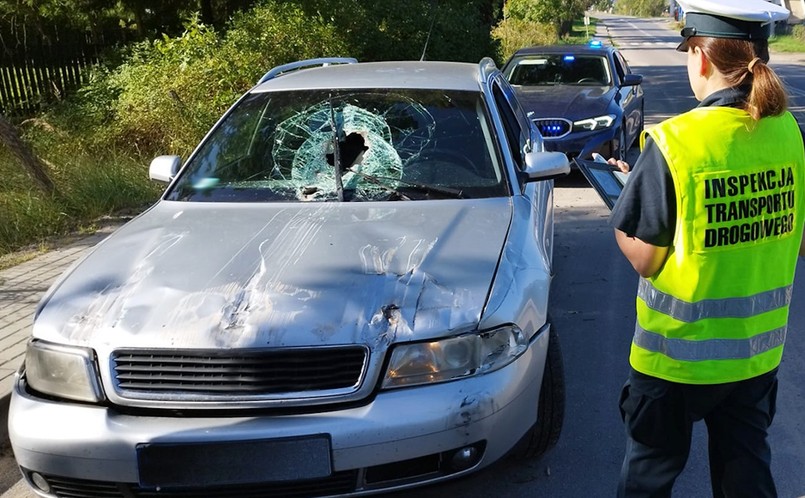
x,y
33,75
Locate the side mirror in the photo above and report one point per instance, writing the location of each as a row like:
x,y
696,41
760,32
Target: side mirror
x,y
164,168
545,165
632,79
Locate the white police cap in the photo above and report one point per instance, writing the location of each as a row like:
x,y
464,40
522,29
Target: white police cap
x,y
737,19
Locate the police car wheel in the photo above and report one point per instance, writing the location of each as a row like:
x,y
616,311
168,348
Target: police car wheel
x,y
621,150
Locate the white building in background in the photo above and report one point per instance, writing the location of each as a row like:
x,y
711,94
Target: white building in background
x,y
796,7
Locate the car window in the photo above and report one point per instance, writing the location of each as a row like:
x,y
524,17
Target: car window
x,y
392,144
515,136
621,66
560,69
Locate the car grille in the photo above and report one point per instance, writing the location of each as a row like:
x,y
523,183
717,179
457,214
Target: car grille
x,y
338,483
226,374
553,128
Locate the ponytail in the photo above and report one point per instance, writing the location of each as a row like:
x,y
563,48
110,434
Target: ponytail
x,y
743,63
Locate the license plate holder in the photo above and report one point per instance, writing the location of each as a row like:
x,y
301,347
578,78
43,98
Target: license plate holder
x,y
233,462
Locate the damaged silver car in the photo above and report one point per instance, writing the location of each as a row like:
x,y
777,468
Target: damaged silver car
x,y
344,290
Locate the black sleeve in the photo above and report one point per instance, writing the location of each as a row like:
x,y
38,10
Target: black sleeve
x,y
646,208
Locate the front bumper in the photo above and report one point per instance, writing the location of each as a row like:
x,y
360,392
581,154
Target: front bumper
x,y
98,445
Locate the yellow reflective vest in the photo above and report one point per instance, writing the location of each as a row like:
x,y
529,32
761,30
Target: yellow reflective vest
x,y
717,310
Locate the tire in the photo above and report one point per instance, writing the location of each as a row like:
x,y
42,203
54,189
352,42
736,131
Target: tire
x,y
620,152
642,122
544,434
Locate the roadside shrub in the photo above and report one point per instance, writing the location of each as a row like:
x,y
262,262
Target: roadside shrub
x,y
513,34
798,32
641,8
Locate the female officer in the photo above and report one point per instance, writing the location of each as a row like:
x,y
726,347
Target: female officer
x,y
712,220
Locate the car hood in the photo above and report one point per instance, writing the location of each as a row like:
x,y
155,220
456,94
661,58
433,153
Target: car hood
x,y
210,275
562,101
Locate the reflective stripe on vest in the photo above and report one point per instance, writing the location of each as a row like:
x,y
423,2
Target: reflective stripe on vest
x,y
736,307
710,349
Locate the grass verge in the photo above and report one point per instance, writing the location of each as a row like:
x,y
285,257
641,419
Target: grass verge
x,y
91,186
787,43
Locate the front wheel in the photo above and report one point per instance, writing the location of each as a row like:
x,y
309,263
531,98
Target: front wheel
x,y
620,151
544,434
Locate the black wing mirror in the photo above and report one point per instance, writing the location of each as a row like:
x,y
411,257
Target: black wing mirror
x,y
632,79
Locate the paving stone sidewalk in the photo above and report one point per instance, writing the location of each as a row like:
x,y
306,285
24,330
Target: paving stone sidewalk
x,y
21,288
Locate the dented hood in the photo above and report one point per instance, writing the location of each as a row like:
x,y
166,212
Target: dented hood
x,y
211,275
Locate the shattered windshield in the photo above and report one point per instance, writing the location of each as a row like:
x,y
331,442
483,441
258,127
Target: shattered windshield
x,y
351,145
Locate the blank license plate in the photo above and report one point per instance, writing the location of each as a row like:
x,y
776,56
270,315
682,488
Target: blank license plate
x,y
233,462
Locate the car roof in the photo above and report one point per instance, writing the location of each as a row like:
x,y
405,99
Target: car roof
x,y
564,49
396,74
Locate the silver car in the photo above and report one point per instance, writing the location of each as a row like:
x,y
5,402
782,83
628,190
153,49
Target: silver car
x,y
344,290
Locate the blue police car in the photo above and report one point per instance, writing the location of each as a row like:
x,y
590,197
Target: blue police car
x,y
583,98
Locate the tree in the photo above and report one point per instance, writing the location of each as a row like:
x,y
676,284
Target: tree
x,y
407,29
145,18
10,138
561,13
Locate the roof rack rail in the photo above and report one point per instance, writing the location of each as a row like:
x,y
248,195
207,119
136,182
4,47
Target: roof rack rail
x,y
322,61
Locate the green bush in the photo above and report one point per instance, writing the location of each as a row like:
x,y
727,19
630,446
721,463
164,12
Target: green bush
x,y
641,8
514,34
798,32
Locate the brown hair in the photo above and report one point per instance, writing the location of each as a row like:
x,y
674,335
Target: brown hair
x,y
735,59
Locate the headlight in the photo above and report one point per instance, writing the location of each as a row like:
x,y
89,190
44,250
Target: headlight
x,y
453,358
62,371
594,123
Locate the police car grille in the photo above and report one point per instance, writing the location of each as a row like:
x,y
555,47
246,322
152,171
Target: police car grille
x,y
553,128
230,373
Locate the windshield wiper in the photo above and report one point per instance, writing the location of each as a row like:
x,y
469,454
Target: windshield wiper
x,y
339,182
428,189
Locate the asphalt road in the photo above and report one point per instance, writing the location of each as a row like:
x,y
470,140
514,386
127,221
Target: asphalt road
x,y
593,310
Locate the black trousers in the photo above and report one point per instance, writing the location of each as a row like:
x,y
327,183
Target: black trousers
x,y
659,417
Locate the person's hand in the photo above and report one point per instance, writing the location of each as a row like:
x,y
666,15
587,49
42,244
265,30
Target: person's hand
x,y
621,165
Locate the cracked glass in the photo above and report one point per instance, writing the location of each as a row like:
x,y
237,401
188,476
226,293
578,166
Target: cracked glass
x,y
361,145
